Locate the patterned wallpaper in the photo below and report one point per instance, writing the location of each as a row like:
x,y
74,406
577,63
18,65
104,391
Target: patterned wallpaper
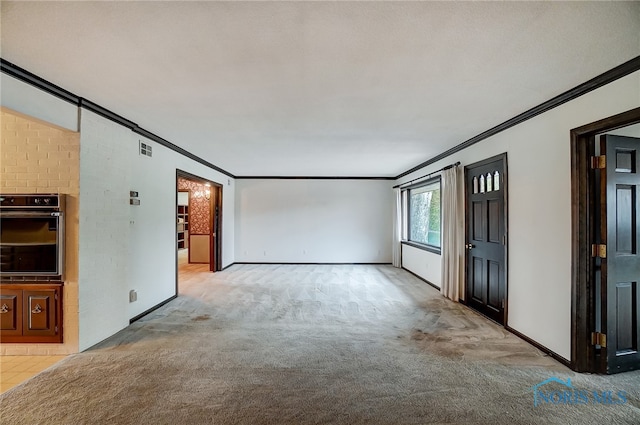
x,y
199,206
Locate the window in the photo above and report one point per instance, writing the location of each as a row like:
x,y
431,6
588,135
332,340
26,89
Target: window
x,y
422,215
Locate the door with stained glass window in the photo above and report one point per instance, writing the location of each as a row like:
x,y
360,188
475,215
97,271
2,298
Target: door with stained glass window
x,y
486,237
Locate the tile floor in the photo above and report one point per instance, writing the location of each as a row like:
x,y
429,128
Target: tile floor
x,y
17,369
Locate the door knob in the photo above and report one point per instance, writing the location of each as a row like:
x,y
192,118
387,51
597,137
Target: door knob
x,y
470,246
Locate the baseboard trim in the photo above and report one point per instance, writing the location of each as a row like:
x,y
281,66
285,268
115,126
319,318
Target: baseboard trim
x,y
226,267
311,264
421,278
540,347
155,307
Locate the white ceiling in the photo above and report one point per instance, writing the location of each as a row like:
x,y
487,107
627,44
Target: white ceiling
x,y
318,88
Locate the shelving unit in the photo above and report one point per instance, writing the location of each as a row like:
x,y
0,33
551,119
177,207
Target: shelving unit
x,y
183,226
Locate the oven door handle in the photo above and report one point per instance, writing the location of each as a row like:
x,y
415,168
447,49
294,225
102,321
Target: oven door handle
x,y
29,214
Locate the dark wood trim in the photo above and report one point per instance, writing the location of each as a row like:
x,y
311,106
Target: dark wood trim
x,y
539,346
187,175
427,248
582,320
313,178
584,88
583,354
218,187
311,264
38,82
48,87
105,113
155,307
502,156
614,122
219,233
179,150
421,278
410,185
175,242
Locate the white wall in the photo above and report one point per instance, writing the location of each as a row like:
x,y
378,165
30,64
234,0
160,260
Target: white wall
x,y
26,99
539,263
425,264
313,221
124,247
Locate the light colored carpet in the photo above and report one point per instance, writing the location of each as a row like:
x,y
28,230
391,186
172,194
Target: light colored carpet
x,y
282,344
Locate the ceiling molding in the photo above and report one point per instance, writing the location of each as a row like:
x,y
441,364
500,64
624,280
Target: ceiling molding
x,y
313,178
36,81
25,76
605,78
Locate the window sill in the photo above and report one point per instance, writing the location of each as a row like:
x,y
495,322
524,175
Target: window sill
x,y
428,248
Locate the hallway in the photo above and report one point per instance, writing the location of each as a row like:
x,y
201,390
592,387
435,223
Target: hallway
x,y
288,344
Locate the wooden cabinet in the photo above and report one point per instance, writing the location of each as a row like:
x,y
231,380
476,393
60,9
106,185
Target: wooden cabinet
x,y
31,312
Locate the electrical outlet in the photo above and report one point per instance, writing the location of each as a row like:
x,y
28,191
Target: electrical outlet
x,y
133,296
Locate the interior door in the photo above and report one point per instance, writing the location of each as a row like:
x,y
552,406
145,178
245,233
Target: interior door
x,y
215,260
620,267
486,237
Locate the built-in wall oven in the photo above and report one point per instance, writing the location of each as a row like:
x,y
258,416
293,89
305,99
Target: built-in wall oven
x,y
32,236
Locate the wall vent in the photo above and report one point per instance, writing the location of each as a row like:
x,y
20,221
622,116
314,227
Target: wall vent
x,y
145,149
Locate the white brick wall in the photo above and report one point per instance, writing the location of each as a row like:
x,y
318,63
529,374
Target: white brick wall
x,y
118,247
124,247
37,157
104,222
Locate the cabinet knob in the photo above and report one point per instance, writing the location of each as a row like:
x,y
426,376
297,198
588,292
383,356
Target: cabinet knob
x,y
4,308
37,310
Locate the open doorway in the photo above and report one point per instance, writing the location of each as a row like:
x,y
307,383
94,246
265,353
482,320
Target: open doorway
x,y
198,225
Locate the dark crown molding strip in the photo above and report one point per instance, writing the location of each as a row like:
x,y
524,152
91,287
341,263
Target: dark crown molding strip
x,y
94,107
168,144
308,264
32,79
48,87
312,178
616,73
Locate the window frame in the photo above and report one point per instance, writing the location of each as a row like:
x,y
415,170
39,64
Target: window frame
x,y
406,216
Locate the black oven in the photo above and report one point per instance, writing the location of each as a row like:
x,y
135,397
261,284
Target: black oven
x,y
32,236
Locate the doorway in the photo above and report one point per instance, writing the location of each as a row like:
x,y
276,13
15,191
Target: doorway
x,y
198,224
486,237
605,156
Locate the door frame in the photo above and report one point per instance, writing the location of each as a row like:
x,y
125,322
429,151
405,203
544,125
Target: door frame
x,y
583,141
505,195
215,249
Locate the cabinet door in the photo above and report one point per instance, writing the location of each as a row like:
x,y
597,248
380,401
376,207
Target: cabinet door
x,y
39,312
11,312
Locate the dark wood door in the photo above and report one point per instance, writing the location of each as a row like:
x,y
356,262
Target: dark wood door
x,y
486,237
620,269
